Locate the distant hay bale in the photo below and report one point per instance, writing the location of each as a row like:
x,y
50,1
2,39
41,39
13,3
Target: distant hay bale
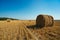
x,y
44,20
8,20
29,20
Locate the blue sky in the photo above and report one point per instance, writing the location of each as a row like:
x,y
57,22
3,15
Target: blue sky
x,y
29,9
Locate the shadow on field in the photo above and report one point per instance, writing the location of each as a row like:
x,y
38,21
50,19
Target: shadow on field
x,y
34,27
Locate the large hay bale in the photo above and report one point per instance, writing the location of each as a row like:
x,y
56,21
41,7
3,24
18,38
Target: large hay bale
x,y
44,20
8,20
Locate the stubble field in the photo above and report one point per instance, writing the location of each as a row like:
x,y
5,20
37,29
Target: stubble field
x,y
27,30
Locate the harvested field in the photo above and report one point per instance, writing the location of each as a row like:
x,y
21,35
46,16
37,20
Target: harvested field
x,y
26,30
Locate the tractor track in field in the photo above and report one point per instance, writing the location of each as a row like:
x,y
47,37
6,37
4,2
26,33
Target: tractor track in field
x,y
25,33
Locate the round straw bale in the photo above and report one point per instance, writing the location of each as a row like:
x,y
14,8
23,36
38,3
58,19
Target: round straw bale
x,y
8,20
44,20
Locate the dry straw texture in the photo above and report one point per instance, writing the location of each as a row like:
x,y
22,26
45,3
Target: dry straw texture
x,y
15,30
44,20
